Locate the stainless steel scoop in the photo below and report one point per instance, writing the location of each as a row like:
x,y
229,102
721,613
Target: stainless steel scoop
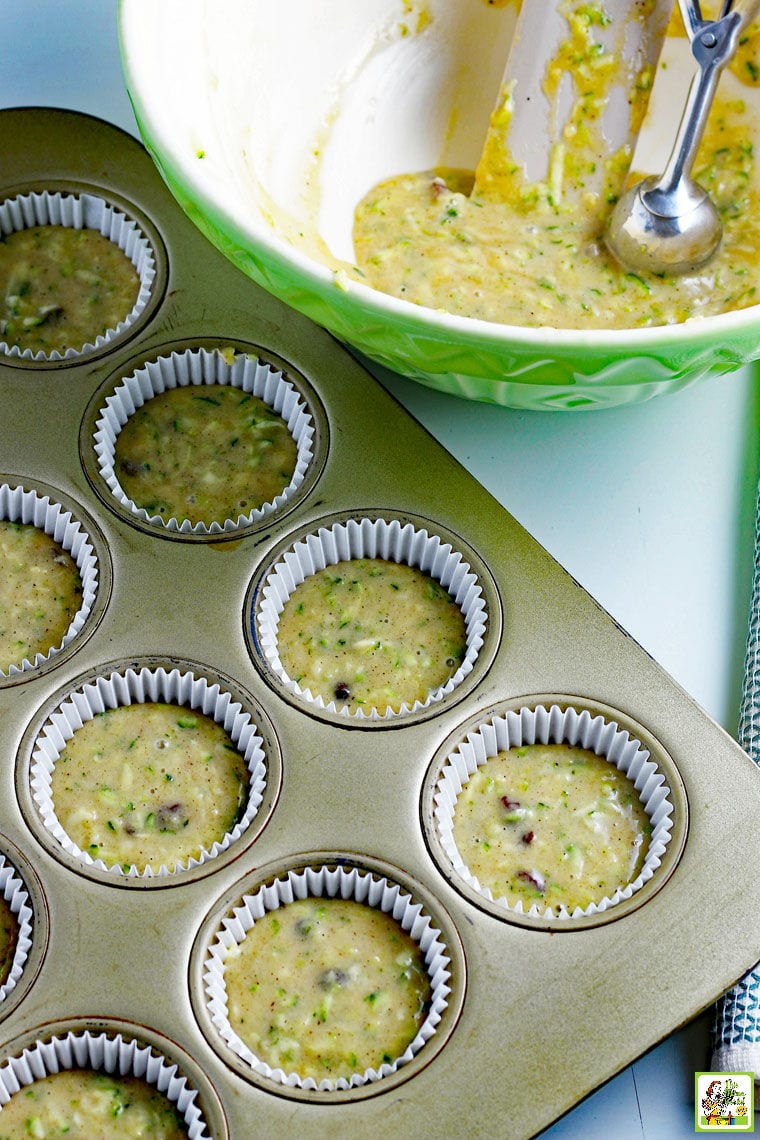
x,y
668,224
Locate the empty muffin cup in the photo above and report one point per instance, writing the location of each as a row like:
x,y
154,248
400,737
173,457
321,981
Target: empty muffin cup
x,y
129,1079
167,780
236,450
563,826
393,622
295,909
75,273
39,622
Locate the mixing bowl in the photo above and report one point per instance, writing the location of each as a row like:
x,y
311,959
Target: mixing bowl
x,y
269,121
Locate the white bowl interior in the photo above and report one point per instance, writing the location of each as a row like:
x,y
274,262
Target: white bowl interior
x,y
270,122
305,113
376,89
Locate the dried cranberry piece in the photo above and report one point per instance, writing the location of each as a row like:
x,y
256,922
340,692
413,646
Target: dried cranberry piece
x,y
528,837
535,878
342,691
170,817
509,803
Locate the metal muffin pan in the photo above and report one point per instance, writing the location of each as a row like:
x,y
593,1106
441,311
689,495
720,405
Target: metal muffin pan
x,y
540,1013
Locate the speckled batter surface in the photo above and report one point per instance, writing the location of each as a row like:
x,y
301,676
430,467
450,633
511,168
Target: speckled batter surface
x,y
205,453
81,1104
371,633
40,592
326,987
148,784
551,824
62,287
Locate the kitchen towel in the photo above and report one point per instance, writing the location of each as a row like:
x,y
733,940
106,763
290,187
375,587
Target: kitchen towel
x,y
736,1027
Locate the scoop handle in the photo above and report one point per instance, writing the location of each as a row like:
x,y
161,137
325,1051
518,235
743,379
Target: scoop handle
x,y
713,45
691,14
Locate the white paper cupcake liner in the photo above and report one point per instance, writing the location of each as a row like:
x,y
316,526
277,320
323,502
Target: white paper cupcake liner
x,y
26,506
201,366
371,538
327,882
559,726
16,896
81,211
133,687
112,1054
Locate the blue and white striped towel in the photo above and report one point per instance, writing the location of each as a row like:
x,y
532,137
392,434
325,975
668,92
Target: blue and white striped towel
x,y
736,1028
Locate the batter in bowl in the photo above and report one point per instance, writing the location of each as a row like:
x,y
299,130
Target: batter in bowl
x,y
531,253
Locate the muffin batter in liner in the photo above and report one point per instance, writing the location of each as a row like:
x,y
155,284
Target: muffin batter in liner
x,y
371,538
81,211
22,506
133,687
201,366
113,1054
560,726
326,882
17,897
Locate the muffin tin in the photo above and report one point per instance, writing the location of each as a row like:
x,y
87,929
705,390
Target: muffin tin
x,y
532,1012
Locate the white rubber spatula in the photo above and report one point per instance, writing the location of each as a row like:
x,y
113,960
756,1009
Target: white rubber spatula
x,y
531,126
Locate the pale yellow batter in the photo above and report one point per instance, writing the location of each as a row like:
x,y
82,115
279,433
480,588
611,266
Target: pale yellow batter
x,y
531,254
205,453
149,784
552,825
40,592
81,1104
368,633
62,287
326,988
9,931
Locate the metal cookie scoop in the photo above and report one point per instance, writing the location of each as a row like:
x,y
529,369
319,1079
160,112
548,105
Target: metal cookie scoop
x,y
668,224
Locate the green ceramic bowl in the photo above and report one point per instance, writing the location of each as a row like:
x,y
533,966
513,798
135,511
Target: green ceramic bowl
x,y
269,119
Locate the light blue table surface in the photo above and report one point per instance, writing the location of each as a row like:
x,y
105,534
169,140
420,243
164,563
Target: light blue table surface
x,y
651,508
